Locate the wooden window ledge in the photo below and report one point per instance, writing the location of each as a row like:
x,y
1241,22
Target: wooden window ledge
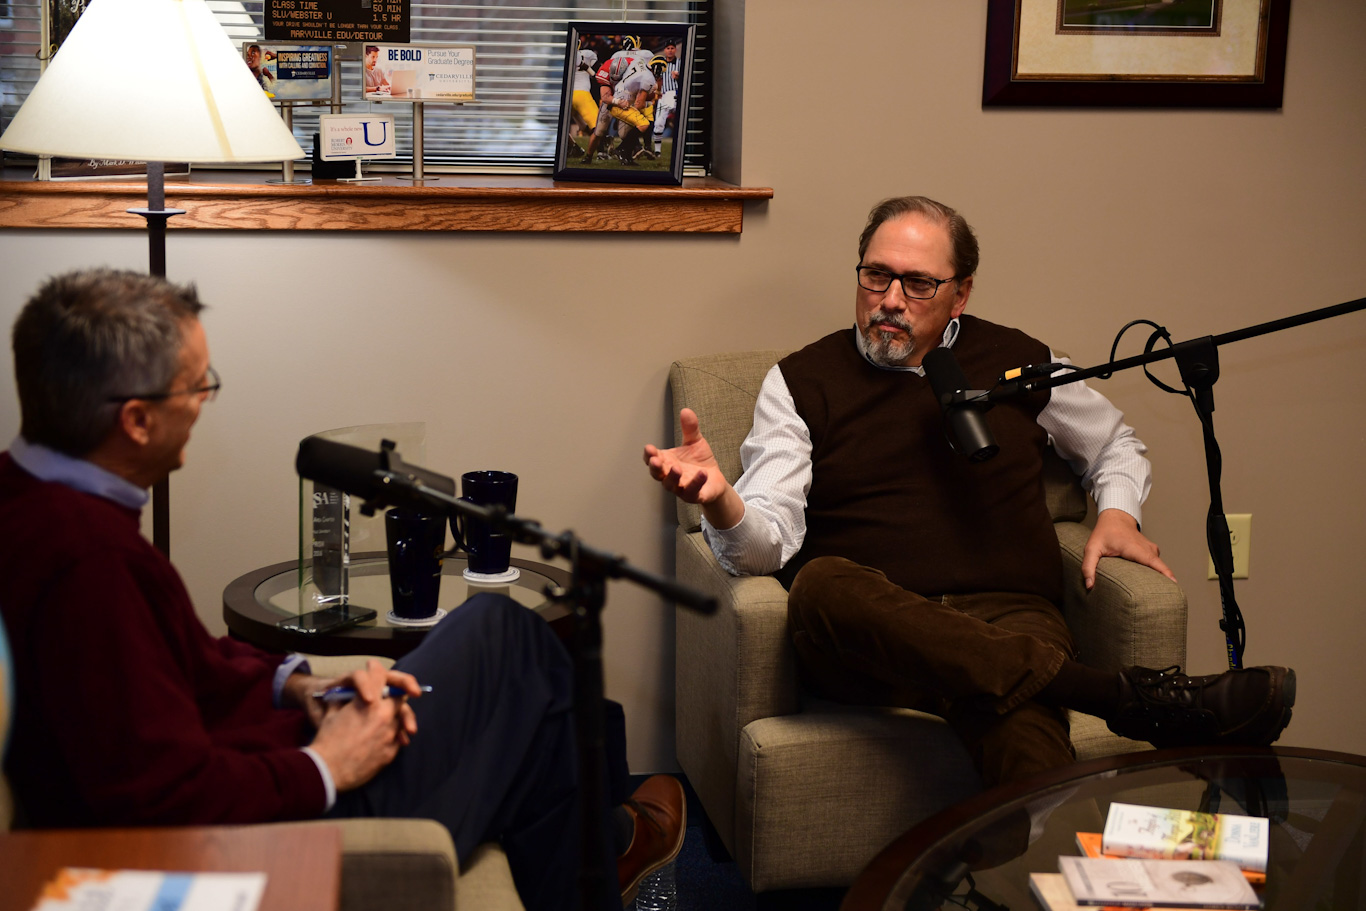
x,y
231,201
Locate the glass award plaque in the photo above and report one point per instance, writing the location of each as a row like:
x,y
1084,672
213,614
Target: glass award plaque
x,y
331,525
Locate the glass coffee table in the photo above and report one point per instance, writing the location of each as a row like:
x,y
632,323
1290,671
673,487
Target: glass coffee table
x,y
977,854
254,603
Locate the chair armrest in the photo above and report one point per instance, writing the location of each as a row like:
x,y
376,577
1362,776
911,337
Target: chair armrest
x,y
731,667
1134,615
740,655
395,864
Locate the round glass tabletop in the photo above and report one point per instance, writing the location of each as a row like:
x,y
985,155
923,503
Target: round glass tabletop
x,y
254,603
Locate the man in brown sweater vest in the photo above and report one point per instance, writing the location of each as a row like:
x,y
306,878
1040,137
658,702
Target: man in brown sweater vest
x,y
918,579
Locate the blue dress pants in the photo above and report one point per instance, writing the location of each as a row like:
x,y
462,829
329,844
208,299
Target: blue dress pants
x,y
495,756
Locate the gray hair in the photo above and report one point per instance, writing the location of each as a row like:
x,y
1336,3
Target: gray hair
x,y
87,337
962,241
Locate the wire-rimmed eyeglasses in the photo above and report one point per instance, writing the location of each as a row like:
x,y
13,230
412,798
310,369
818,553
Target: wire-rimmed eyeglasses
x,y
209,389
914,286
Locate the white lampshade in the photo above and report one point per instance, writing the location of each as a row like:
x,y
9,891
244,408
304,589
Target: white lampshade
x,y
150,80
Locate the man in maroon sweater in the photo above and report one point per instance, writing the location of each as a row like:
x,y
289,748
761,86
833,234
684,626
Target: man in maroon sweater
x,y
130,713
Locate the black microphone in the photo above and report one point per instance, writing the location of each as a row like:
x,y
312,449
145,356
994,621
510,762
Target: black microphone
x,y
369,475
967,424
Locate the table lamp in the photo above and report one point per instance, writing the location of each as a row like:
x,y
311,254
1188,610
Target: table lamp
x,y
153,81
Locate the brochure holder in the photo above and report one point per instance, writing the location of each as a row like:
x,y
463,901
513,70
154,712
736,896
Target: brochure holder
x,y
414,74
291,75
354,137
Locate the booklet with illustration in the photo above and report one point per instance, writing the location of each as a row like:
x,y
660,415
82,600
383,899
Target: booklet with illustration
x,y
1147,883
1050,889
1090,845
1137,831
83,889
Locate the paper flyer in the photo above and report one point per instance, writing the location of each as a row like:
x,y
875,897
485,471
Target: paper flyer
x,y
291,72
84,889
410,72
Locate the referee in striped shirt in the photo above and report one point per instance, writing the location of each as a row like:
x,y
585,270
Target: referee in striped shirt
x,y
668,96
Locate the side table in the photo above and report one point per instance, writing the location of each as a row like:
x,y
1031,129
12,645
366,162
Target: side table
x,y
302,863
255,602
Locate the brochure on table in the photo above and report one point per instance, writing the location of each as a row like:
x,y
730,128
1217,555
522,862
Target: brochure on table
x,y
418,72
84,889
1148,883
1140,831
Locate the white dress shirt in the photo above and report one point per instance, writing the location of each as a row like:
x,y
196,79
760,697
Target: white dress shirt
x,y
1082,425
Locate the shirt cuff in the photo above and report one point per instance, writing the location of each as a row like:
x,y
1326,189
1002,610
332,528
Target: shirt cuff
x,y
294,664
751,547
328,784
1125,500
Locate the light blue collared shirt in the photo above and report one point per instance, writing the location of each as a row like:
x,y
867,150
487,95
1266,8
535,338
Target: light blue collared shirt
x,y
50,465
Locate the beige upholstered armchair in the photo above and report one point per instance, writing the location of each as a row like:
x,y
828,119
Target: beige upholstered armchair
x,y
387,864
804,793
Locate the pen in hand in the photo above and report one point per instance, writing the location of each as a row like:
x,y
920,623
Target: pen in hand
x,y
347,693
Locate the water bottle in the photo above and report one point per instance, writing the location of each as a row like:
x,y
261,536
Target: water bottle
x,y
658,891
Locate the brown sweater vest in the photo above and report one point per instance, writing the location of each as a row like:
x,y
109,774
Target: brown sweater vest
x,y
887,490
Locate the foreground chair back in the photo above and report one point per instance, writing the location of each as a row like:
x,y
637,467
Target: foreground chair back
x,y
804,793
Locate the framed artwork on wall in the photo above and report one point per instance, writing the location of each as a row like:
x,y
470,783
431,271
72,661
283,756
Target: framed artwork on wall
x,y
624,102
1136,53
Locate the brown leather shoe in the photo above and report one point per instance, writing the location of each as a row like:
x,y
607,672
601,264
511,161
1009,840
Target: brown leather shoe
x,y
1167,708
660,813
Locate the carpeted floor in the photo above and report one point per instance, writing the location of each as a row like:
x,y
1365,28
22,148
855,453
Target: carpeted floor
x,y
710,883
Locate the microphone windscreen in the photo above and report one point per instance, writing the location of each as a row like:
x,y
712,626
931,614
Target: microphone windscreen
x,y
944,374
351,469
346,468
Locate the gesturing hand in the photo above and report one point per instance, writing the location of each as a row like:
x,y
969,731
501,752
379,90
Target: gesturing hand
x,y
689,471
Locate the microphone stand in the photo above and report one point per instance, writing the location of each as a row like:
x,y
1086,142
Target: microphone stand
x,y
585,597
1198,362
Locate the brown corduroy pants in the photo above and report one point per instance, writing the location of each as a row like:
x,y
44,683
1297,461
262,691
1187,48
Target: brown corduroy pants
x,y
976,660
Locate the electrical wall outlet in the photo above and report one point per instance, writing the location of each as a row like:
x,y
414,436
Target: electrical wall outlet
x,y
1240,536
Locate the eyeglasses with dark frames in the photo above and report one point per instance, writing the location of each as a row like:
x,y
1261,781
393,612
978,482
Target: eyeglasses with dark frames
x,y
914,286
210,389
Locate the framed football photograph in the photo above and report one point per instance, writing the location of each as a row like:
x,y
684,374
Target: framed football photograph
x,y
624,102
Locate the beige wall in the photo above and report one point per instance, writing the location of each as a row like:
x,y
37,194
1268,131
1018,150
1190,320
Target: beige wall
x,y
531,354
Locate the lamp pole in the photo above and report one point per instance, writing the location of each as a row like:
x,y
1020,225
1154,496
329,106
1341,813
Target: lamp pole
x,y
157,215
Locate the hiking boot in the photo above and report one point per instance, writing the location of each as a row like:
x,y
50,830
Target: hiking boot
x,y
1166,708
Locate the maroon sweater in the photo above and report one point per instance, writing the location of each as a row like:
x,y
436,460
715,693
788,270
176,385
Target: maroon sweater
x,y
888,492
128,711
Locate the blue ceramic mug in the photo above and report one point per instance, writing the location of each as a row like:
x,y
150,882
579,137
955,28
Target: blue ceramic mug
x,y
490,553
417,541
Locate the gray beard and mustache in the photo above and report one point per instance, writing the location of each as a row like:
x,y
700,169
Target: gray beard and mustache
x,y
889,351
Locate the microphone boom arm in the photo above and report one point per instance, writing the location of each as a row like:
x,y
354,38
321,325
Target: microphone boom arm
x,y
1198,362
585,597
